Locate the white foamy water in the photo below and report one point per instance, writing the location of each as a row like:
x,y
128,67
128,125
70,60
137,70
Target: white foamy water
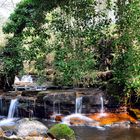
x,y
102,105
12,108
24,78
27,78
78,105
67,119
102,113
7,122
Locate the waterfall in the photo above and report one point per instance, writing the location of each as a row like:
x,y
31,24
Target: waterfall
x,y
78,105
102,105
45,109
59,111
27,78
31,113
54,111
56,107
102,113
12,108
1,105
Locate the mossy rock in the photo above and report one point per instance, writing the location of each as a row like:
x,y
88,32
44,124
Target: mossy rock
x,y
62,131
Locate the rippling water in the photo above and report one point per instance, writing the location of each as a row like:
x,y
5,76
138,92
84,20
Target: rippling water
x,y
103,133
88,133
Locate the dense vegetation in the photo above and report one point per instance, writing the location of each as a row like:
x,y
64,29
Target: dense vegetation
x,y
86,43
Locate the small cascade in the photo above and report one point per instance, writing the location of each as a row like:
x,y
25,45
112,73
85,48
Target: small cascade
x,y
45,109
76,118
78,105
54,111
31,107
12,108
102,107
59,110
34,107
1,105
27,78
16,79
54,101
56,107
31,113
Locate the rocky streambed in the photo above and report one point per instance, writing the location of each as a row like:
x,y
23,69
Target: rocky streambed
x,y
23,129
83,128
74,107
45,103
27,129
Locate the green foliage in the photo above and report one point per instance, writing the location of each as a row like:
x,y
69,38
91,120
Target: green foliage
x,y
73,31
62,131
12,55
29,17
126,64
128,72
77,33
81,36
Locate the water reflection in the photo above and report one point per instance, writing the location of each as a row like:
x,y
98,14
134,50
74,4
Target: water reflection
x,y
87,133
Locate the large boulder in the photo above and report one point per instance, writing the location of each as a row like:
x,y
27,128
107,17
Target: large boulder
x,y
26,127
62,131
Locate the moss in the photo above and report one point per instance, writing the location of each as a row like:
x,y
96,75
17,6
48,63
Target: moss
x,y
62,131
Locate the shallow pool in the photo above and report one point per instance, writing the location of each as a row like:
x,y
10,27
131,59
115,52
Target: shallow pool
x,y
88,133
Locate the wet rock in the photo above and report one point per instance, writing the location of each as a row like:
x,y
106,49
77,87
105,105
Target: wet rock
x,y
112,118
114,92
138,124
91,99
63,96
29,93
78,119
13,93
80,122
13,137
125,124
134,112
1,132
58,118
62,99
8,133
37,138
122,109
26,127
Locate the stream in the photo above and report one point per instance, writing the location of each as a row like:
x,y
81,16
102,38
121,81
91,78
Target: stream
x,y
48,108
89,133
